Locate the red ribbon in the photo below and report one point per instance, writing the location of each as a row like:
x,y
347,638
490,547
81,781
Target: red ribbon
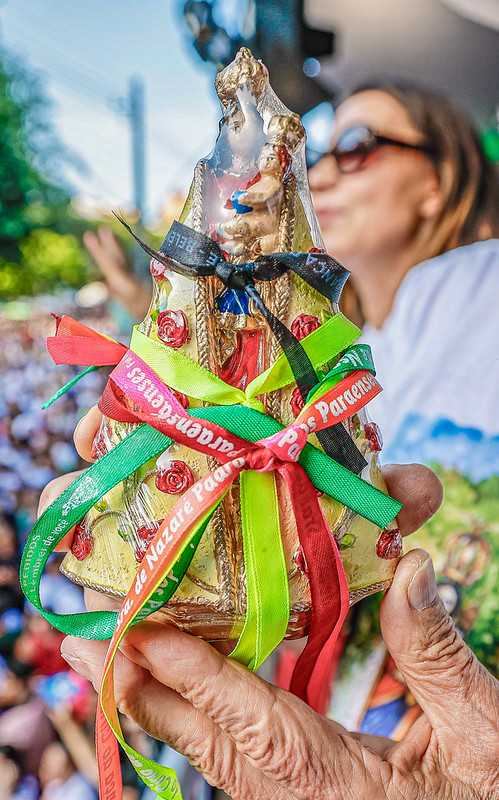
x,y
76,343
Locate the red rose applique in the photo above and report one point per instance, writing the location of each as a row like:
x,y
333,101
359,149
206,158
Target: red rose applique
x,y
158,270
296,401
373,436
173,328
83,541
143,538
174,477
304,324
389,544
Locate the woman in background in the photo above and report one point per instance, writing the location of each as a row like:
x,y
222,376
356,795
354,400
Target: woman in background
x,y
408,202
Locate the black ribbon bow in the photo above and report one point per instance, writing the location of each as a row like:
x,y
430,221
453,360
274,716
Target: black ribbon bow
x,y
195,255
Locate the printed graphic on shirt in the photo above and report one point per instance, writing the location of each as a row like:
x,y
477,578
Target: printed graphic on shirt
x,y
470,451
463,540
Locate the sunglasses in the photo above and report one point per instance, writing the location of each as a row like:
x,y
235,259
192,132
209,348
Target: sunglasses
x,y
356,144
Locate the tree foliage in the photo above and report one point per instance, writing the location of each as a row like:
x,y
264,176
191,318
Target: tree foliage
x,y
40,236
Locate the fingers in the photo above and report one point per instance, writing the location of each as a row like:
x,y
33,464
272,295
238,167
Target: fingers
x,y
418,488
85,433
280,735
167,716
98,601
115,266
106,251
54,489
459,697
376,744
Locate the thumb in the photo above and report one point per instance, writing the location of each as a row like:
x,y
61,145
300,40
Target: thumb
x,y
442,673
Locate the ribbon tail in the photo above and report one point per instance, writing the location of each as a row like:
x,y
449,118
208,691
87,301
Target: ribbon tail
x,y
161,562
335,440
167,261
328,588
87,350
107,751
267,589
75,343
321,653
67,386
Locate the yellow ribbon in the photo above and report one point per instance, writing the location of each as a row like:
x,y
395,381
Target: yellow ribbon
x,y
185,375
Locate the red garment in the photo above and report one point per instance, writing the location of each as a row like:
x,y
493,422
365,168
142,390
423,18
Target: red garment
x,y
43,650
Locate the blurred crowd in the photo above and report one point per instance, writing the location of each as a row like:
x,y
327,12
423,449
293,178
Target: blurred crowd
x,y
47,711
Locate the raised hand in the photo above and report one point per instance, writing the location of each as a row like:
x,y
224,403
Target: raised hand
x,y
115,266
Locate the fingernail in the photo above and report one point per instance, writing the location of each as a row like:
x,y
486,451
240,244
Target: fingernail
x,y
422,591
79,666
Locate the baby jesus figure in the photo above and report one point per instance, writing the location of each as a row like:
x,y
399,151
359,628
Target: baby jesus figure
x,y
263,224
255,230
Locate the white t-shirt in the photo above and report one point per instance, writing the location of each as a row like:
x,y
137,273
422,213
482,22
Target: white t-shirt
x,y
437,358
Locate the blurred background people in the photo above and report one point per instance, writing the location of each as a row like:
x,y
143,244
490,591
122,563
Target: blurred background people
x,y
59,778
14,783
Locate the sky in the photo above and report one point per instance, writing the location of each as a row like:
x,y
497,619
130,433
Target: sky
x,y
85,52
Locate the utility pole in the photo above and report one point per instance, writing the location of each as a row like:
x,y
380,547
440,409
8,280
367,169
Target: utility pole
x,y
132,107
136,117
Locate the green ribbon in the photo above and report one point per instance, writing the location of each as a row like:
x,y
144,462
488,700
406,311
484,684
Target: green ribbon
x,y
359,356
267,603
267,585
67,386
134,450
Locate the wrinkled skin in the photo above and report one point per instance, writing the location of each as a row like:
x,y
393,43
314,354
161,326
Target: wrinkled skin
x,y
257,741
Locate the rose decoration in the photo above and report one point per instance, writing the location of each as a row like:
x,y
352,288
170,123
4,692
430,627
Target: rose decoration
x,y
144,536
174,477
373,436
389,544
296,401
82,543
158,270
304,324
173,328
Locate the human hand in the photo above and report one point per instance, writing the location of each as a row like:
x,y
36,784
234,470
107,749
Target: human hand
x,y
116,268
255,740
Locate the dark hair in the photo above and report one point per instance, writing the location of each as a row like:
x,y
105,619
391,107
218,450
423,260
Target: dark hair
x,y
468,180
16,756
